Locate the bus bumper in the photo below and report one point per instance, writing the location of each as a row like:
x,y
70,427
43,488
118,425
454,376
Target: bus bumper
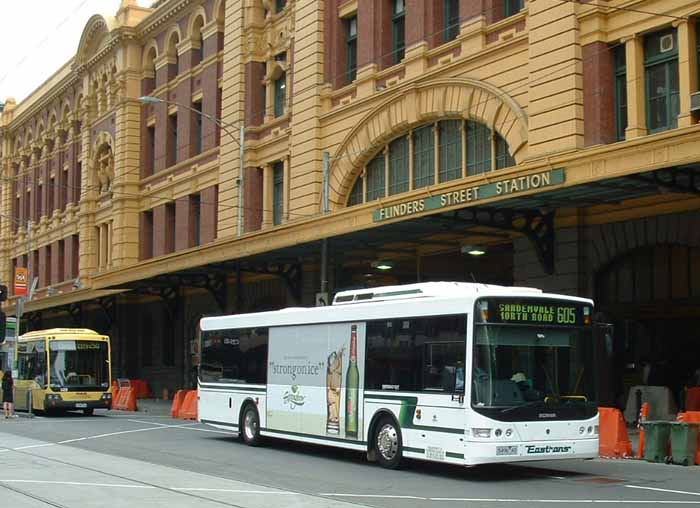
x,y
78,404
479,452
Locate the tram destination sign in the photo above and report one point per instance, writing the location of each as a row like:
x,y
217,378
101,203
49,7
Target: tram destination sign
x,y
471,194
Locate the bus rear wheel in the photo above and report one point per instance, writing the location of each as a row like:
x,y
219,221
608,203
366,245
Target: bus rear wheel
x,y
387,443
250,426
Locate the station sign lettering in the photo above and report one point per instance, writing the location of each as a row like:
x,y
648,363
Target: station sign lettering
x,y
471,194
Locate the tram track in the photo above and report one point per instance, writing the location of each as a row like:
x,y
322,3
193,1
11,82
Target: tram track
x,y
147,485
22,492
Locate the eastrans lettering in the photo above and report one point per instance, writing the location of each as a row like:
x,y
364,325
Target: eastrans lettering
x,y
547,449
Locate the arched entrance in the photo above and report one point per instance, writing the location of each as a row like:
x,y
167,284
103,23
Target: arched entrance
x,y
652,296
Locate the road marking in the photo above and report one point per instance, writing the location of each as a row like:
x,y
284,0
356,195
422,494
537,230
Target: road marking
x,y
80,484
562,501
229,433
30,446
236,491
122,432
382,496
656,489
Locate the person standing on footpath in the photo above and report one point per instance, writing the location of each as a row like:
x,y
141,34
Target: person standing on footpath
x,y
8,389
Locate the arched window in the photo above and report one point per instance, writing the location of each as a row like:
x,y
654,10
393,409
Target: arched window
x,y
441,152
148,77
172,50
197,41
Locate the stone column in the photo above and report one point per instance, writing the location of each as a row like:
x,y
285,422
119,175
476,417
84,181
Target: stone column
x,y
233,111
636,98
286,186
554,128
687,69
267,181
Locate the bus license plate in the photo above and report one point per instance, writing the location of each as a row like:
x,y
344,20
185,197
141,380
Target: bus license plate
x,y
506,450
434,453
80,405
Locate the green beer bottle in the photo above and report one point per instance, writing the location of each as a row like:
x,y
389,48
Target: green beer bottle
x,y
352,386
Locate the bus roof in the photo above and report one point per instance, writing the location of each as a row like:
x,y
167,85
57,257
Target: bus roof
x,y
431,298
59,331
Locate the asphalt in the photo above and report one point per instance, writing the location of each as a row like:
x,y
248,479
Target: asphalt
x,y
147,460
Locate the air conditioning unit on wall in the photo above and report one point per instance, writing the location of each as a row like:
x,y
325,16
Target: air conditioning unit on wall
x,y
695,101
666,43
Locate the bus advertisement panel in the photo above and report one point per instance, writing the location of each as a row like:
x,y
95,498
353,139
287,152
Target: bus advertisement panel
x,y
315,380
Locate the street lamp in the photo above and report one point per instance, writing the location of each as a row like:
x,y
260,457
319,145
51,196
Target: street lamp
x,y
226,127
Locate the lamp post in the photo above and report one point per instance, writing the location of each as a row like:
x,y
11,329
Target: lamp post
x,y
226,127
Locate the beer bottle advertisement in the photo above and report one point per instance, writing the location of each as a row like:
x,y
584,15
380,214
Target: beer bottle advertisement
x,y
352,388
315,380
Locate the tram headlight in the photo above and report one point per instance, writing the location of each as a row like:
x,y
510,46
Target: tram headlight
x,y
484,433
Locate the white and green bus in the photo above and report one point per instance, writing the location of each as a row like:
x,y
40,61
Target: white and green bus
x,y
443,371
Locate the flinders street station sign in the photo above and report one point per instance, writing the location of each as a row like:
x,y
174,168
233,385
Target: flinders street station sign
x,y
472,194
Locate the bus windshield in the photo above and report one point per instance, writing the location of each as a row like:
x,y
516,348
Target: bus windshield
x,y
530,370
79,365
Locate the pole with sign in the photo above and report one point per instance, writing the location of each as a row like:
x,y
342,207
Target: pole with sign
x,y
21,276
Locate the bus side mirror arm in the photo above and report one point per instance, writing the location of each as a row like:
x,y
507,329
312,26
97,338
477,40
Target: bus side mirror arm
x,y
459,397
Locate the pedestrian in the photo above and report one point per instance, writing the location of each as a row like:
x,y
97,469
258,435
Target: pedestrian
x,y
8,389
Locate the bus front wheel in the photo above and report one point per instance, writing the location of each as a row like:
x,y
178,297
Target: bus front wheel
x,y
89,411
387,443
250,426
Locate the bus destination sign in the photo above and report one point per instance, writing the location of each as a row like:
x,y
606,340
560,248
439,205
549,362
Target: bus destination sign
x,y
537,312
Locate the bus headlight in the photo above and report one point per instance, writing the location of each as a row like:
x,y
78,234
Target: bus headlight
x,y
106,396
581,430
53,397
595,430
485,433
498,433
509,432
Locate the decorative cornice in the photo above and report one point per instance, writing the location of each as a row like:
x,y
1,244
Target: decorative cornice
x,y
164,12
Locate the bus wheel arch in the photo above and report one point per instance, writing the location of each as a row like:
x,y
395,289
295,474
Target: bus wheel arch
x,y
385,421
249,423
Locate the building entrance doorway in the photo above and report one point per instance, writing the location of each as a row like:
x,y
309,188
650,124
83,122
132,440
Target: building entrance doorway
x,y
652,297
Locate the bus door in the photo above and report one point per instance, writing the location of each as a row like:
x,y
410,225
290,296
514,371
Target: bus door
x,y
31,370
442,412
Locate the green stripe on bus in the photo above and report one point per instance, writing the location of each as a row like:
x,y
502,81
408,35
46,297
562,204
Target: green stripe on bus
x,y
407,412
224,424
414,450
454,455
314,436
